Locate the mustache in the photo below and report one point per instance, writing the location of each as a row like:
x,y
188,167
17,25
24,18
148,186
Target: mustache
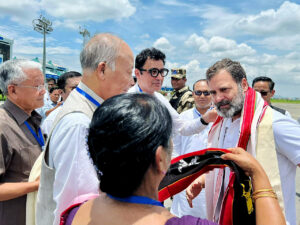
x,y
221,103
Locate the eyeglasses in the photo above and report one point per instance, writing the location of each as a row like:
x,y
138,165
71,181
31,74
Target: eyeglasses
x,y
38,88
199,93
154,72
263,93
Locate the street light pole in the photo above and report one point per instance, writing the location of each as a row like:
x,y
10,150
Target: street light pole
x,y
43,26
85,34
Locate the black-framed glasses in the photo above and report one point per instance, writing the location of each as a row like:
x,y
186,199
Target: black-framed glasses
x,y
263,93
199,93
154,72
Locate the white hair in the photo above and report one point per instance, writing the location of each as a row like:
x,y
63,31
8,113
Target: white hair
x,y
11,72
101,48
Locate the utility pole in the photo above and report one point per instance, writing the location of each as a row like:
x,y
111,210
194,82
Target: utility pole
x,y
85,34
43,26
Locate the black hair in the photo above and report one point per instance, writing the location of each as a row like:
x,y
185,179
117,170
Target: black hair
x,y
233,67
62,80
51,79
151,53
124,134
264,79
52,89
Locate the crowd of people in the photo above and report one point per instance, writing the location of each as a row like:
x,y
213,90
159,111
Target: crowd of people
x,y
94,147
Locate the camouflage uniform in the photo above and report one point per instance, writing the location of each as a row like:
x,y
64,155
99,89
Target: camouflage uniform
x,y
182,99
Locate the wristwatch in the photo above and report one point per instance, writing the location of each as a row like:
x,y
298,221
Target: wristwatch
x,y
203,121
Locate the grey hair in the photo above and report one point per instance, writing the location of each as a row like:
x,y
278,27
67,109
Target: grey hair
x,y
11,72
101,48
234,68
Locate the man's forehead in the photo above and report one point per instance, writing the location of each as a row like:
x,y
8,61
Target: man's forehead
x,y
201,85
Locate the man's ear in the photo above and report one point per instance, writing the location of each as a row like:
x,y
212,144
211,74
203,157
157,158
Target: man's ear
x,y
245,84
100,70
137,73
160,160
11,91
272,93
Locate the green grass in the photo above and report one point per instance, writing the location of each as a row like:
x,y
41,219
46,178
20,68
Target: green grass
x,y
285,101
2,97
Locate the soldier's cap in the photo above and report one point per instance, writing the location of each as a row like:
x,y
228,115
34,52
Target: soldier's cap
x,y
178,73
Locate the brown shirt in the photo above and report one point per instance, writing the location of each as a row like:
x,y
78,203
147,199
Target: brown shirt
x,y
18,151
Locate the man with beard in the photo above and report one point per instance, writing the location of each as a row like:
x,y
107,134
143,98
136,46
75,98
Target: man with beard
x,y
274,138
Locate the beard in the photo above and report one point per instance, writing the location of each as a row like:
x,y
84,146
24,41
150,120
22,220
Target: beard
x,y
235,105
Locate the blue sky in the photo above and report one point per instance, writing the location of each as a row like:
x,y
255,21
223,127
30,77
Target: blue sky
x,y
263,35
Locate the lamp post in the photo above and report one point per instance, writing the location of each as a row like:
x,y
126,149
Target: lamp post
x,y
85,34
43,26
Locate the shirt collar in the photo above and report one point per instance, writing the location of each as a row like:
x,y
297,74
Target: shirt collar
x,y
19,114
85,88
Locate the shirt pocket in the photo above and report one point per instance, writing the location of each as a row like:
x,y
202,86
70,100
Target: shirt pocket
x,y
24,159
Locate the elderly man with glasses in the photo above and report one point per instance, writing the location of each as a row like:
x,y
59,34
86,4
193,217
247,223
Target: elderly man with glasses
x,y
150,72
265,86
182,98
21,139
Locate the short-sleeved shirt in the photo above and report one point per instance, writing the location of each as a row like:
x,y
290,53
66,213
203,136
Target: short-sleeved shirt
x,y
18,152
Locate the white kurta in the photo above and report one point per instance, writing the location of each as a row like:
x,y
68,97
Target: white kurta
x,y
74,172
180,126
184,145
287,141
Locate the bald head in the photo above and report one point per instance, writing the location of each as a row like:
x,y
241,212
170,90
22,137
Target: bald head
x,y
100,48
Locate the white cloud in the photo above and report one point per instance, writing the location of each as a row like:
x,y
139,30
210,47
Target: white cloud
x,y
219,47
285,20
21,11
89,10
163,44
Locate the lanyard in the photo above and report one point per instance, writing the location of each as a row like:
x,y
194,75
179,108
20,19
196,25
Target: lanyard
x,y
39,138
140,89
196,111
88,96
137,200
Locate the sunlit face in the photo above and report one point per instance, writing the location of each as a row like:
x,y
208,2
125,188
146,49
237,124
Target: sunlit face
x,y
71,84
202,101
120,80
227,95
177,84
54,96
146,82
264,88
27,96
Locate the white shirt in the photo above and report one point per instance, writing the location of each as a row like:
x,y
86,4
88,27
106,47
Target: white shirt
x,y
184,145
287,142
180,126
74,172
48,122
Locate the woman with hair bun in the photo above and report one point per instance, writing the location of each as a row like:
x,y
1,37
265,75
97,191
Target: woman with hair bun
x,y
130,145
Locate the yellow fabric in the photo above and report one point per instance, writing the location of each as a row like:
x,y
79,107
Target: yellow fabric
x,y
266,153
31,197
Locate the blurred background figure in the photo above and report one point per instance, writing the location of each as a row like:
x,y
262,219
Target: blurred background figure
x,y
181,99
265,86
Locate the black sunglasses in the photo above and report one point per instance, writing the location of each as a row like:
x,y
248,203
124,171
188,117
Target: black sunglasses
x,y
154,72
199,93
263,93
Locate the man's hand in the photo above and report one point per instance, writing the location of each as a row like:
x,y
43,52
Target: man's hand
x,y
194,189
210,116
